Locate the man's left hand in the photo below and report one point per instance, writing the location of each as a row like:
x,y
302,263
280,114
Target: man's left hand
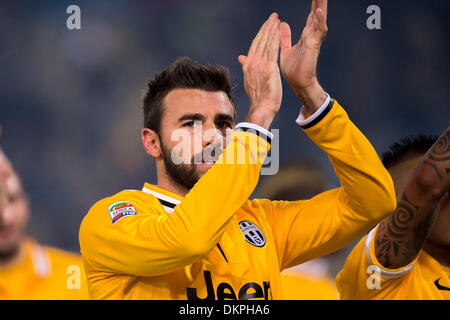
x,y
298,63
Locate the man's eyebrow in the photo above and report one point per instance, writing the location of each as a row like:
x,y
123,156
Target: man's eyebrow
x,y
191,116
224,117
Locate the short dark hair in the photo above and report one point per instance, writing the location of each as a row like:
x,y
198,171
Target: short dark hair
x,y
183,73
415,144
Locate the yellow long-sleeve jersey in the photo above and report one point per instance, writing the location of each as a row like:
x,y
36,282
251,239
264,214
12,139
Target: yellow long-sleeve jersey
x,y
44,273
215,243
364,278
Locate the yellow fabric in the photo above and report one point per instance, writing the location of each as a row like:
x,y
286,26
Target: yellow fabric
x,y
44,273
417,283
156,254
301,285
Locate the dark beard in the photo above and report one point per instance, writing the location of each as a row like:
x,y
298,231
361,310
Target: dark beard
x,y
8,254
181,174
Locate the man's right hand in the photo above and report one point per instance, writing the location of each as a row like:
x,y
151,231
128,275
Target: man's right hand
x,y
262,80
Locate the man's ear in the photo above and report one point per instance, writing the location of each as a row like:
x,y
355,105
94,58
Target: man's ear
x,y
151,142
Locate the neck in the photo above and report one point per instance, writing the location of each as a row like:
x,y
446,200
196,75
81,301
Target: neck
x,y
166,182
167,185
438,252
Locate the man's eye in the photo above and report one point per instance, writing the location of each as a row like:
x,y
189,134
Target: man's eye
x,y
223,124
188,124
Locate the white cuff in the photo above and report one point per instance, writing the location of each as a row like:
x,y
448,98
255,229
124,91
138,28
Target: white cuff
x,y
249,125
386,274
301,117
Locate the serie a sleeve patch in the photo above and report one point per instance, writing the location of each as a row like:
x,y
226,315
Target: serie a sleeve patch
x,y
121,209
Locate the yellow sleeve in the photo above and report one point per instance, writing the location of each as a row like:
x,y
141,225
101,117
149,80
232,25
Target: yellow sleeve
x,y
149,243
363,277
308,229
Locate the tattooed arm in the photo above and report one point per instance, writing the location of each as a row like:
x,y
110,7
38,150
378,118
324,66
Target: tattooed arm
x,y
400,236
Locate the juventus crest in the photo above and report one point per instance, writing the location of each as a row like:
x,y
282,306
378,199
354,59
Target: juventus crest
x,y
252,233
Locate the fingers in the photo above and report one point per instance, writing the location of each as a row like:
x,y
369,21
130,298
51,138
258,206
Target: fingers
x,y
316,24
285,36
241,59
311,21
311,17
260,33
321,20
321,14
323,6
264,43
273,43
261,38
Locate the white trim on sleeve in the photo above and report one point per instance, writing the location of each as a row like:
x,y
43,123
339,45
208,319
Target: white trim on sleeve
x,y
253,126
383,272
301,117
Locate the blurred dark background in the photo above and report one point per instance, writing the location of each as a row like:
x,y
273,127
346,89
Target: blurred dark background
x,y
70,100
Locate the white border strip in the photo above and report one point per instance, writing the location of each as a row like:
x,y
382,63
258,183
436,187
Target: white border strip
x,y
384,273
161,196
168,209
255,127
301,117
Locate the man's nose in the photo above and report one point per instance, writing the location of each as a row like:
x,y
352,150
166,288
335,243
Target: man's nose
x,y
211,135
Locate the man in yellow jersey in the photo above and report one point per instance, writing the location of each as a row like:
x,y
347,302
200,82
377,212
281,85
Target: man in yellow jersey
x,y
407,256
29,270
196,235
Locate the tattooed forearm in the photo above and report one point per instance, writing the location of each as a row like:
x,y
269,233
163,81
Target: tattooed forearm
x,y
401,236
423,229
393,243
400,219
435,168
440,151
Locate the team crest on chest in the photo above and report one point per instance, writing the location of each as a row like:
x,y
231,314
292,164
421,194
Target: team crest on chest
x,y
252,233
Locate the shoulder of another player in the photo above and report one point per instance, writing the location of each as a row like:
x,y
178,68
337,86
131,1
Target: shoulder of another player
x,y
63,258
357,256
353,276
